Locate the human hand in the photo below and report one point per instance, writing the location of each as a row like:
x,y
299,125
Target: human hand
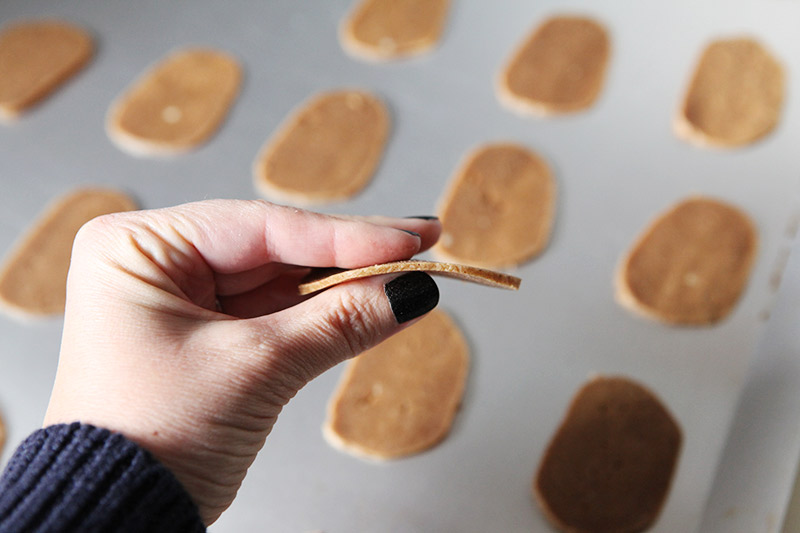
x,y
185,333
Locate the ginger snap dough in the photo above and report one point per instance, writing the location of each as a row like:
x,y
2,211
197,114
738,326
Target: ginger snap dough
x,y
499,208
392,29
610,464
691,265
35,58
328,150
324,278
400,397
34,275
176,105
560,68
735,96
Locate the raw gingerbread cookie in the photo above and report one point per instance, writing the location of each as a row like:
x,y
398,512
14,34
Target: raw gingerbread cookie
x,y
33,277
735,96
691,265
327,151
176,105
327,277
609,466
560,68
392,29
400,397
35,58
499,208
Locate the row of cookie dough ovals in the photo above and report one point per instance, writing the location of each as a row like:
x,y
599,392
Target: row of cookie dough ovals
x,y
734,98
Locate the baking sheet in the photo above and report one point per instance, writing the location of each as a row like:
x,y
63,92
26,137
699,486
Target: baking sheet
x,y
617,165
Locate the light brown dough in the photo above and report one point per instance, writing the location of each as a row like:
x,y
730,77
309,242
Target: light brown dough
x,y
176,105
499,208
35,58
735,96
400,397
327,151
560,68
324,278
392,29
33,277
691,265
609,466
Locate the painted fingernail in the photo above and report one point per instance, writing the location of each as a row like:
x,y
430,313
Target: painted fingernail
x,y
411,295
414,233
424,217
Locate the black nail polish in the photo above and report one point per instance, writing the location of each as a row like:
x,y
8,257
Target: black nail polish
x,y
414,233
411,295
424,218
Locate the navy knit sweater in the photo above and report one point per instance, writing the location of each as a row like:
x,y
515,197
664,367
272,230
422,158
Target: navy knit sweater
x,y
81,478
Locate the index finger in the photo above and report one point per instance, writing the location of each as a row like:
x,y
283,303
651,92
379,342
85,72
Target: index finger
x,y
237,235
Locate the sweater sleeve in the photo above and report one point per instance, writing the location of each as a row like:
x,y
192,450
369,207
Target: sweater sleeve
x,y
78,477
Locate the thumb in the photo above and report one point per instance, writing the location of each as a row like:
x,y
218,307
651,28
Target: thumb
x,y
291,347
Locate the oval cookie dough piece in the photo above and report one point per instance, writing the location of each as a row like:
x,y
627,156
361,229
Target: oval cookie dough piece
x,y
499,208
559,68
392,29
691,265
323,278
177,104
400,397
611,462
327,151
735,96
35,58
33,277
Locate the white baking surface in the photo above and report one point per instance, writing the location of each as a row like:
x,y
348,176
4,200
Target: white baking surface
x,y
757,471
617,165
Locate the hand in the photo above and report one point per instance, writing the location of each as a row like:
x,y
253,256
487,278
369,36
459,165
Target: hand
x,y
184,331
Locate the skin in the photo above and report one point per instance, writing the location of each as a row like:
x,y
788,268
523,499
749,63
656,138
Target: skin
x,y
184,331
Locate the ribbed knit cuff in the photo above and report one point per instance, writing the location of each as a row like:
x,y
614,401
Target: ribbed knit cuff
x,y
81,478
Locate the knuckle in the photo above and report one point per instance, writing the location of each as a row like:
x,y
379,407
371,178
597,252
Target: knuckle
x,y
355,321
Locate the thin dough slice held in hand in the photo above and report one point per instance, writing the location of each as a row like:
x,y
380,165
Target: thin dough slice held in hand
x,y
325,278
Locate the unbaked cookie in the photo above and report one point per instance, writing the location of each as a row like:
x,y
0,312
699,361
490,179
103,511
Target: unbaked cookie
x,y
735,96
610,464
33,278
691,265
35,58
177,104
392,29
327,277
560,68
327,151
400,397
499,208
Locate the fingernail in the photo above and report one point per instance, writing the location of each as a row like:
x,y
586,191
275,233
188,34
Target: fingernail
x,y
424,217
411,295
414,233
